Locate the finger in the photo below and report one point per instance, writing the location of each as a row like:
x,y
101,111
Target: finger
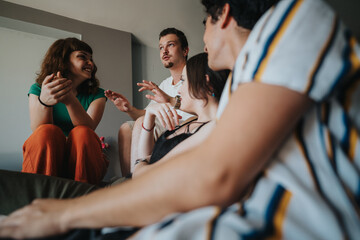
x,y
118,100
57,82
48,79
153,85
172,114
148,86
176,116
171,118
108,93
164,112
58,74
62,85
160,118
59,96
118,95
8,231
151,97
143,89
144,83
113,98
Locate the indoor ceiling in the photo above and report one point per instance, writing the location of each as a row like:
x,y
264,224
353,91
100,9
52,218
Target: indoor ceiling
x,y
146,18
143,18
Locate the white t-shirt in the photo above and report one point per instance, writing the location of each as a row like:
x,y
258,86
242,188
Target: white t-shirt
x,y
172,90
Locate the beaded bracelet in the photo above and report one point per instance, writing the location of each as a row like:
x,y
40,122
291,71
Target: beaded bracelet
x,y
148,130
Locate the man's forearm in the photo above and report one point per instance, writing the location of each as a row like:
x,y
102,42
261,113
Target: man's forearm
x,y
140,202
135,113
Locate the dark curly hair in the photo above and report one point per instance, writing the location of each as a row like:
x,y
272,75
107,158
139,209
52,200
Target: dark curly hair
x,y
181,36
245,12
196,70
57,58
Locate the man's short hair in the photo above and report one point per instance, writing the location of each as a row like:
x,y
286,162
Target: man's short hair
x,y
181,36
245,12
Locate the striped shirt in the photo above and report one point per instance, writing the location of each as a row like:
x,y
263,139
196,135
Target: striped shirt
x,y
311,190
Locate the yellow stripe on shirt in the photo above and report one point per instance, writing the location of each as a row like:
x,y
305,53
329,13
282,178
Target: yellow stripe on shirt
x,y
355,61
276,40
280,216
353,142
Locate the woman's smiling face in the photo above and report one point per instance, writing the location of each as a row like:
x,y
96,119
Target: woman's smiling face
x,y
81,65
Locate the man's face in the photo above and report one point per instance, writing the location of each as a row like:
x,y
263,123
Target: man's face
x,y
213,40
171,52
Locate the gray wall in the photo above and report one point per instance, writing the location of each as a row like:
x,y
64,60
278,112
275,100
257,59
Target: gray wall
x,y
146,66
349,12
112,55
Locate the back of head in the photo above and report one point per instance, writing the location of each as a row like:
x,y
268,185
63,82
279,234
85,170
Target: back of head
x,y
181,36
57,58
245,12
199,87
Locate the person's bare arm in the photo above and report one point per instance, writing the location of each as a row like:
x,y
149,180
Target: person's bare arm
x,y
192,142
123,104
254,124
52,91
79,116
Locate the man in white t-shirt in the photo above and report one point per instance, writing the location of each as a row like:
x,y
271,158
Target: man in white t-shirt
x,y
174,50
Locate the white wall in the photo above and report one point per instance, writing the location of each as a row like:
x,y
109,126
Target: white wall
x,y
112,55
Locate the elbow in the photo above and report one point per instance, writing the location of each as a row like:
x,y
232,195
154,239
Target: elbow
x,y
221,187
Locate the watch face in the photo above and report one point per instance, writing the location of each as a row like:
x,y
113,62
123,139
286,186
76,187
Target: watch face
x,y
178,102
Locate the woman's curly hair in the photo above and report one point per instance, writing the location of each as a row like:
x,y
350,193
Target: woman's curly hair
x,y
57,58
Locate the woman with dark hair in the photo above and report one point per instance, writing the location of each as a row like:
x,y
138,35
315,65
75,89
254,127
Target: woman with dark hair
x,y
200,93
66,105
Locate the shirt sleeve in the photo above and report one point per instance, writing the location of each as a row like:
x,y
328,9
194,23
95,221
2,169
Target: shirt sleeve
x,y
100,94
286,48
35,89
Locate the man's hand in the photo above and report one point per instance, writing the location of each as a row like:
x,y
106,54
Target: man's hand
x,y
39,219
119,101
159,95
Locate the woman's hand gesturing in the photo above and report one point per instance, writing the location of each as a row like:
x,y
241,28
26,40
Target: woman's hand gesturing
x,y
166,114
54,89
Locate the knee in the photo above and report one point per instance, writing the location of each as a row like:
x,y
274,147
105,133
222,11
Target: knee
x,y
81,133
125,130
46,135
139,122
46,132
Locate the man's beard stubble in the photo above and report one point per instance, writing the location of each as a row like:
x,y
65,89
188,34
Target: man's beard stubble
x,y
168,65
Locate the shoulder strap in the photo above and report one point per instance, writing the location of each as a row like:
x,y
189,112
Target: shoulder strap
x,y
203,124
185,124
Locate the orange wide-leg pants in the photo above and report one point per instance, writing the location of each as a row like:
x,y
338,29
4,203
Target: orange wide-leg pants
x,y
79,156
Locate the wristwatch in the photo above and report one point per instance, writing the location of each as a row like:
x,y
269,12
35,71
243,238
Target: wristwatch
x,y
177,102
137,161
